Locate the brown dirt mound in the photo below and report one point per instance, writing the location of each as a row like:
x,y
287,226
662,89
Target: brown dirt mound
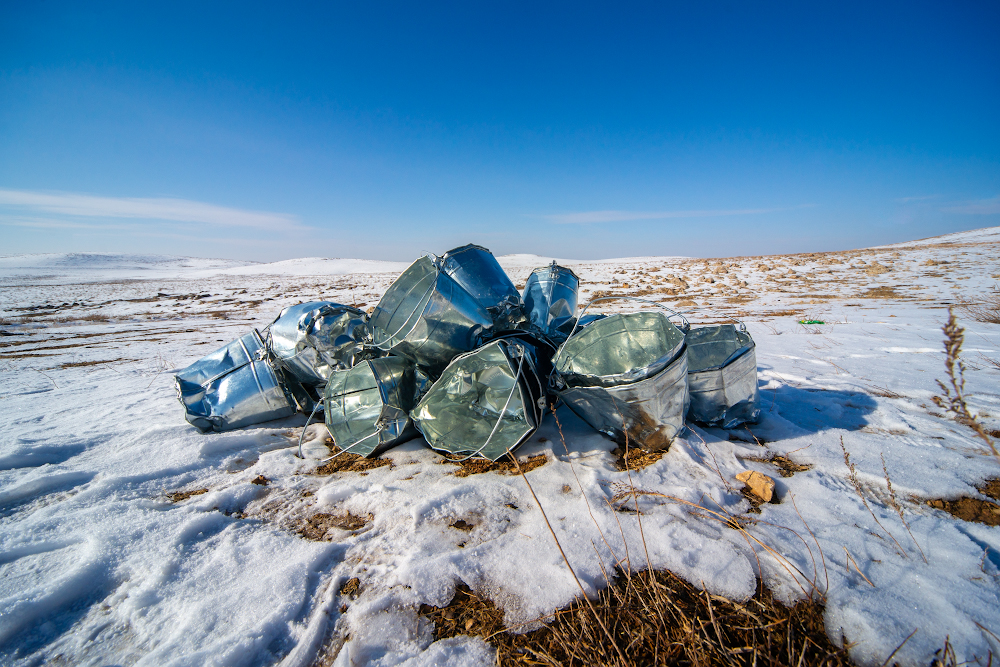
x,y
317,526
504,466
880,293
350,463
974,509
658,619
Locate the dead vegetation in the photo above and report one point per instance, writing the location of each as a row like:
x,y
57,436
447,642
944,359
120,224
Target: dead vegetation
x,y
318,526
654,618
786,467
987,310
178,496
635,458
348,462
952,397
504,466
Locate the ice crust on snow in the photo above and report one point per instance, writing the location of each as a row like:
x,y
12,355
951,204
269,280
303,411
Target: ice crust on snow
x,y
99,566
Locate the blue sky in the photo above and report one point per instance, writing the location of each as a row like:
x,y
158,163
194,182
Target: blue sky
x,y
381,130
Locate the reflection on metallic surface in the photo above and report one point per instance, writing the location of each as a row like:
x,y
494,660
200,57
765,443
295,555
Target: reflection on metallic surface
x,y
427,317
722,376
232,387
619,349
551,296
478,272
311,340
626,375
486,402
367,407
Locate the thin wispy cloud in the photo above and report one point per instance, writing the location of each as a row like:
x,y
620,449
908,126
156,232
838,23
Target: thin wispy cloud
x,y
588,217
176,210
907,200
976,207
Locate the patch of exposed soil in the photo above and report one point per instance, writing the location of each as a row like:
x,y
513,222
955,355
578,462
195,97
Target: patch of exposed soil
x,y
970,509
637,459
658,619
504,466
349,462
177,496
318,526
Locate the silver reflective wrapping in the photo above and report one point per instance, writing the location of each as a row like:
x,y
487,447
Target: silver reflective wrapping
x,y
427,317
722,376
647,414
311,340
486,402
367,407
618,349
626,375
232,387
478,272
551,296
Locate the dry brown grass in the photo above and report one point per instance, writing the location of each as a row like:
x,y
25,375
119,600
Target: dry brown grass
x,y
988,310
786,467
177,496
655,618
504,466
952,397
318,527
635,458
348,462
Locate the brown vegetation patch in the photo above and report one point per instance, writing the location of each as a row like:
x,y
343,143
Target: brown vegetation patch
x,y
177,496
79,364
349,462
988,311
317,526
635,459
351,587
504,466
880,293
786,467
654,618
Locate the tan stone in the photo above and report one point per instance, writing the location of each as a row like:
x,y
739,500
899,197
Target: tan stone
x,y
758,483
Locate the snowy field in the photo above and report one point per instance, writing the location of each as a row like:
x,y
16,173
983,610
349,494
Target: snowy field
x,y
104,559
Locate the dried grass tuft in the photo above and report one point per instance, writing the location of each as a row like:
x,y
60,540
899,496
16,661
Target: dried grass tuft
x,y
952,397
654,618
986,311
348,462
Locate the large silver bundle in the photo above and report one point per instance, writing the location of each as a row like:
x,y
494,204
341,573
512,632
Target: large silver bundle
x,y
232,387
428,317
311,340
722,376
626,375
478,272
367,407
551,296
486,402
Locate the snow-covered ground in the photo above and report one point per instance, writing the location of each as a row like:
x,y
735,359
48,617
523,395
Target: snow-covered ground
x,y
101,563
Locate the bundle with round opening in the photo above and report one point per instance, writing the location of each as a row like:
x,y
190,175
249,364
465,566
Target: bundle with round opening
x,y
626,375
722,376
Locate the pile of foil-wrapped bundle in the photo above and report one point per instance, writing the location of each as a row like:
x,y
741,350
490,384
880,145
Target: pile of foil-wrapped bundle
x,y
454,353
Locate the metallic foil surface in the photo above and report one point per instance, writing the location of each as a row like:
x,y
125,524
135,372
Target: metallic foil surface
x,y
311,340
234,386
626,376
367,407
485,404
551,296
427,317
722,376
